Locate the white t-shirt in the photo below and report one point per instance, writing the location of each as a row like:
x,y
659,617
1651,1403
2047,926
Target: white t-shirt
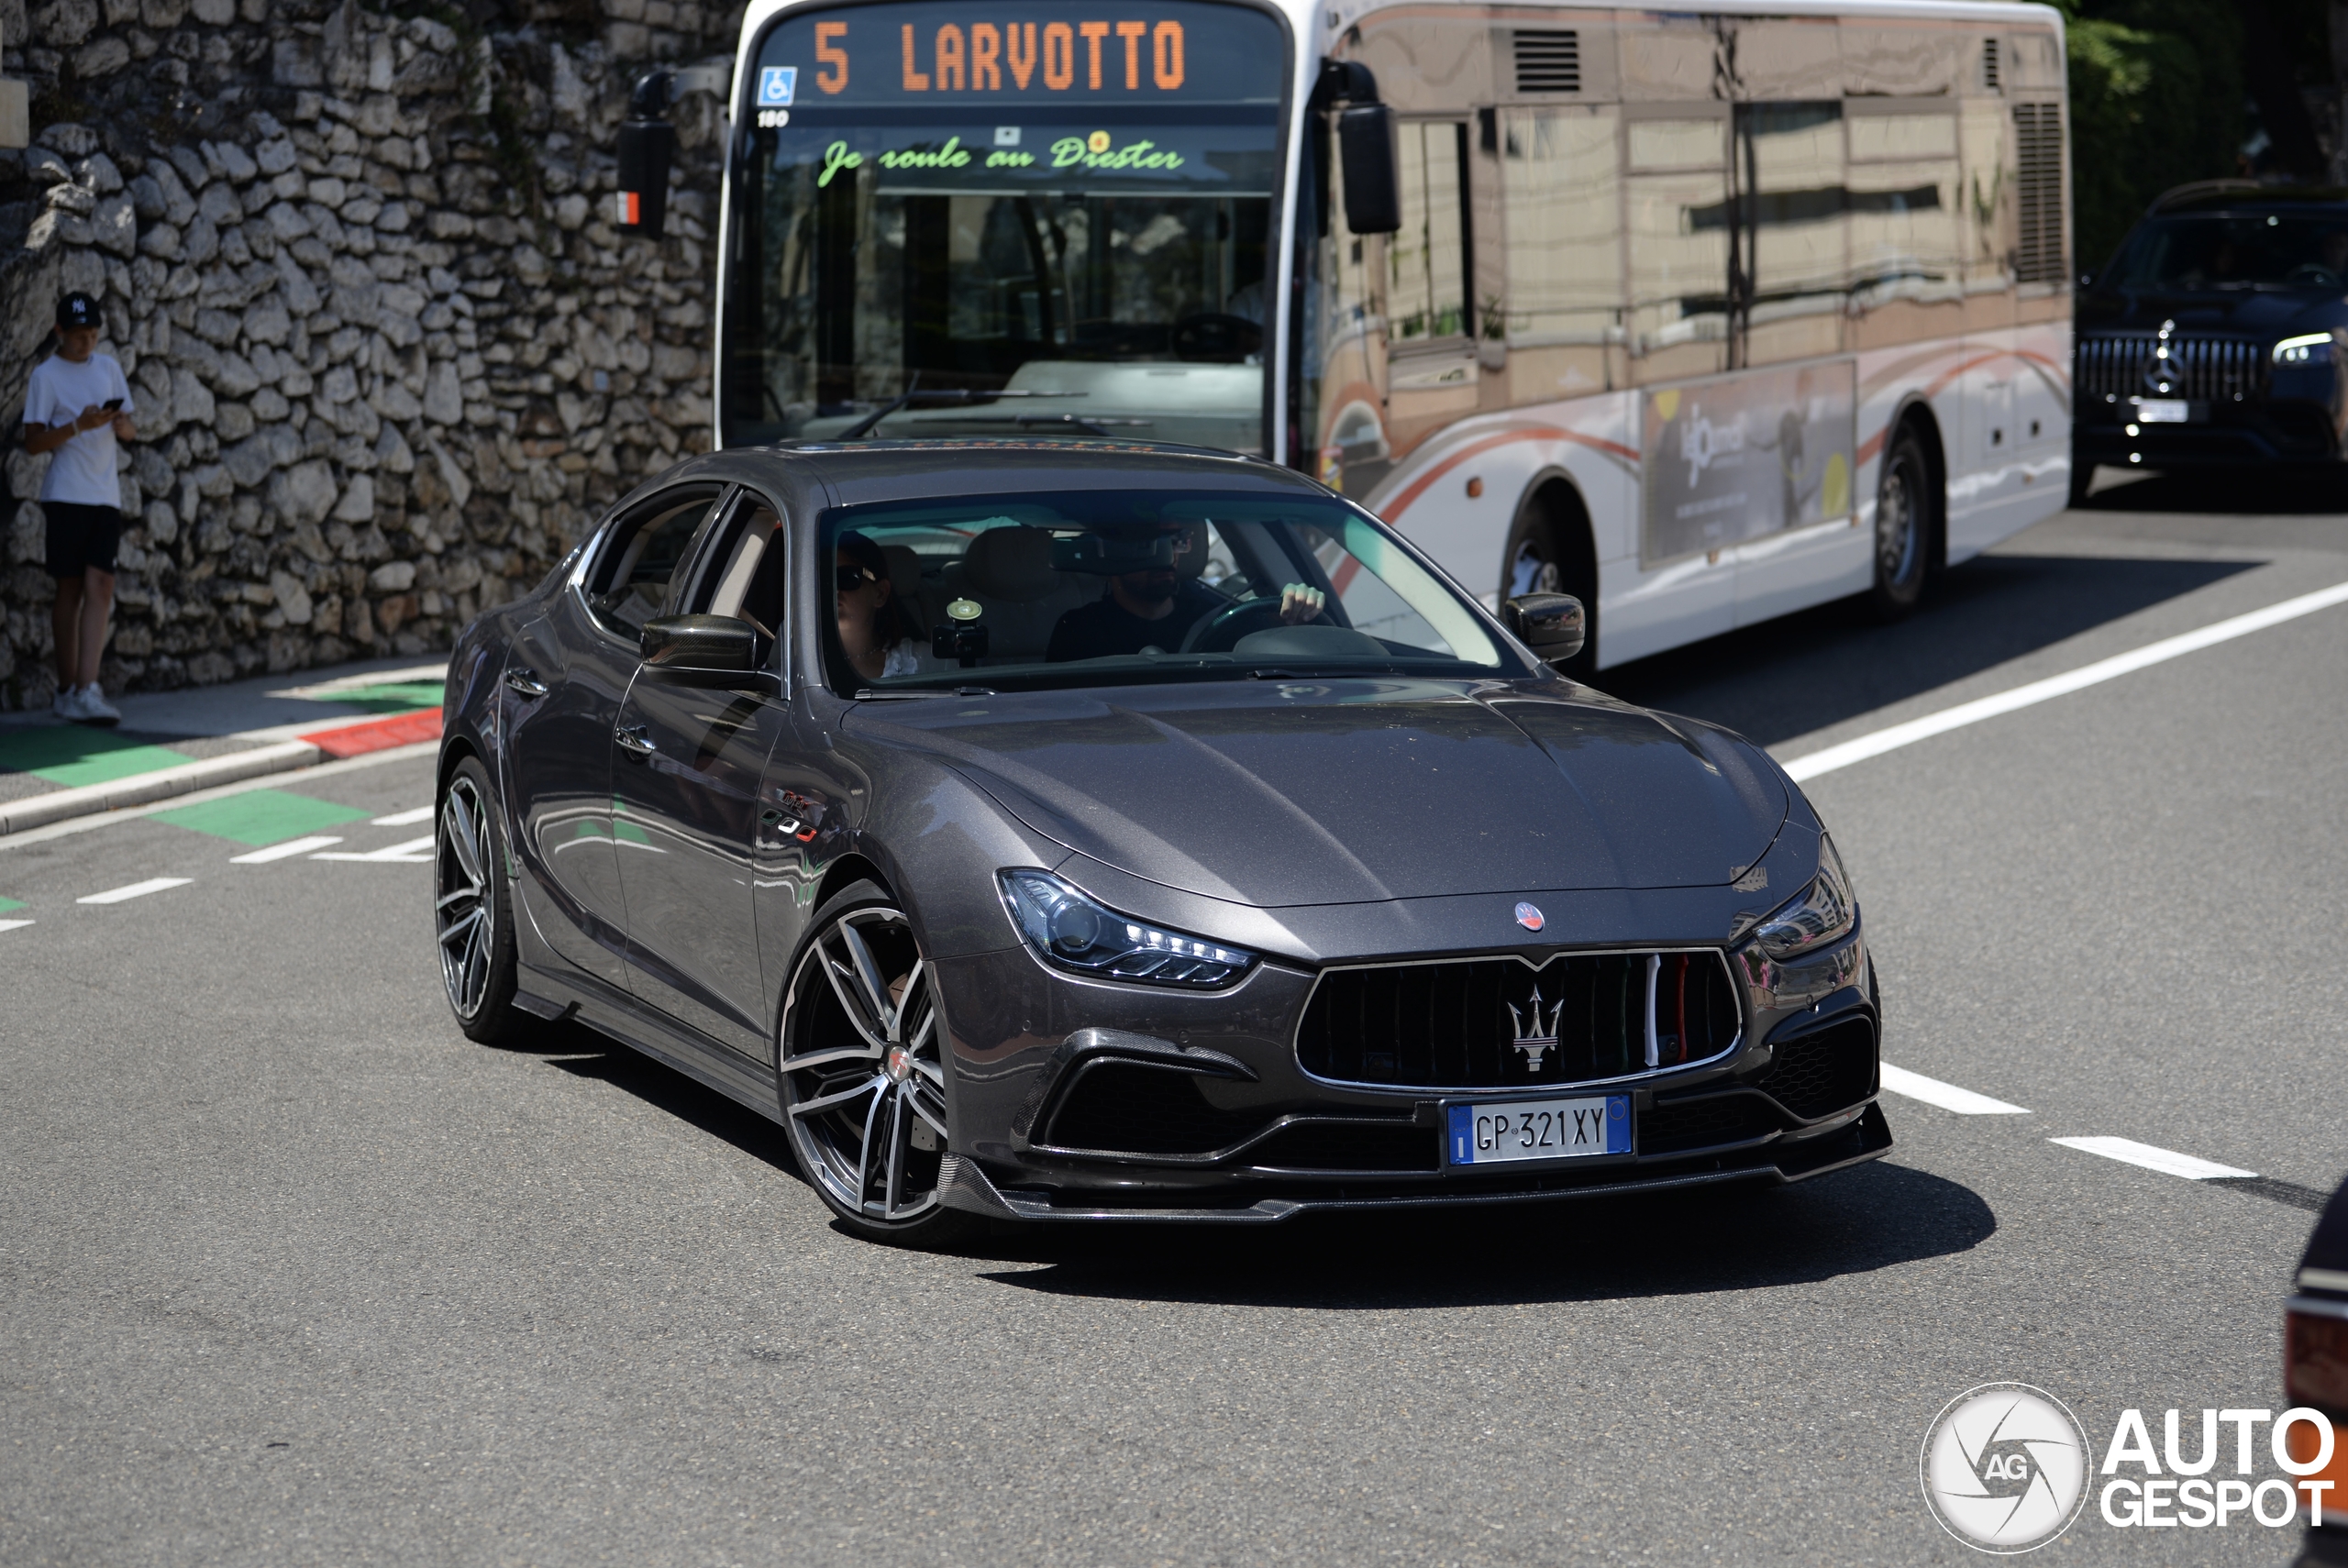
x,y
83,469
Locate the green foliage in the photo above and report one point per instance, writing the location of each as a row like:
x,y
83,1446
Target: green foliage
x,y
2156,100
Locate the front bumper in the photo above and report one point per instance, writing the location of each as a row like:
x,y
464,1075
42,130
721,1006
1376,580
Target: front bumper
x,y
2218,432
1223,1123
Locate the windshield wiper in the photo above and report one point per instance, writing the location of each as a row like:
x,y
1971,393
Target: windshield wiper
x,y
871,421
1090,424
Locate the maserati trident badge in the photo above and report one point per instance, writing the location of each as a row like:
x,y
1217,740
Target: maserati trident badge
x,y
1529,917
1535,1039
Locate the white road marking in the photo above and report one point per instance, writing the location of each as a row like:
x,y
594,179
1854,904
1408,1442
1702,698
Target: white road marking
x,y
404,819
1948,1097
286,851
2168,1162
414,852
135,889
1896,736
266,781
14,924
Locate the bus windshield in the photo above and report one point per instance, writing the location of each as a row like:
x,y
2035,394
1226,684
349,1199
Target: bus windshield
x,y
1037,222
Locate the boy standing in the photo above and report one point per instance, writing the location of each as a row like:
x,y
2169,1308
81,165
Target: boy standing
x,y
78,405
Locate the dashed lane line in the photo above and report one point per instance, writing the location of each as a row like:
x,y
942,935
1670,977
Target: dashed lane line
x,y
14,924
286,851
413,852
404,819
136,890
1896,736
2168,1162
1948,1097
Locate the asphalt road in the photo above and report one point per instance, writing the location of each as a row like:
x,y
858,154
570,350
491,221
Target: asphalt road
x,y
291,1272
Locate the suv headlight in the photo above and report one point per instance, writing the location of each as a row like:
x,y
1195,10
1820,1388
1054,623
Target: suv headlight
x,y
1823,912
1071,930
2315,348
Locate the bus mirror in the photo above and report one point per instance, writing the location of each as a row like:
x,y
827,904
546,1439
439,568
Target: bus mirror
x,y
647,140
1365,147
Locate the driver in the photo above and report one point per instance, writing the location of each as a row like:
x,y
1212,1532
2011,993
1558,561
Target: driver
x,y
1157,608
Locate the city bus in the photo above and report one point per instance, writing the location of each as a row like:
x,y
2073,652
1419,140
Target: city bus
x,y
1702,316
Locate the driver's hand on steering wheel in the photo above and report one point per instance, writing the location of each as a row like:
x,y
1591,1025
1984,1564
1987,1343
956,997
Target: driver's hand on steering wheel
x,y
1300,603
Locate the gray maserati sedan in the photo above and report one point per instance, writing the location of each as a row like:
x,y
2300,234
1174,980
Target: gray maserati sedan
x,y
1058,829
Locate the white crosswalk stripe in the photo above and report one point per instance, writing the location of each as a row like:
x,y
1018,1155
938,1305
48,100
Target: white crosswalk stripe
x,y
2168,1162
1948,1097
136,890
285,851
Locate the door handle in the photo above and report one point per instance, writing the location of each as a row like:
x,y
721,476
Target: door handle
x,y
523,680
637,740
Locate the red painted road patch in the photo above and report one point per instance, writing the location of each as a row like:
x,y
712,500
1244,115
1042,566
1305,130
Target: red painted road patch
x,y
378,734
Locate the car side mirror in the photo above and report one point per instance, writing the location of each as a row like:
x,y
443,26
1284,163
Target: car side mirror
x,y
1552,625
701,650
1366,157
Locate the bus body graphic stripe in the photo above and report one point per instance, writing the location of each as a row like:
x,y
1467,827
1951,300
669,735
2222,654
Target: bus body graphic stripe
x,y
1874,444
1418,486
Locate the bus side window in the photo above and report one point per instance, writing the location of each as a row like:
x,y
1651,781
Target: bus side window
x,y
1906,249
1676,186
1561,185
1792,154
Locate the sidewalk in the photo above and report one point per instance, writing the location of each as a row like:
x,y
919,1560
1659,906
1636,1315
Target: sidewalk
x,y
172,742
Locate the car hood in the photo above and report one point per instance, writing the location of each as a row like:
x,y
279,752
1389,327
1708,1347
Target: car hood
x,y
1344,791
2253,313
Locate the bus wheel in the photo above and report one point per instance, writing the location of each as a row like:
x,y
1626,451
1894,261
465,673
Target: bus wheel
x,y
1542,558
1904,528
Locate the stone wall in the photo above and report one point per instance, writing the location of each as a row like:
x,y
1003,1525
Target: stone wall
x,y
388,357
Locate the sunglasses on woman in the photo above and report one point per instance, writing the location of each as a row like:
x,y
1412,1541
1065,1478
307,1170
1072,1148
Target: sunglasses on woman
x,y
850,578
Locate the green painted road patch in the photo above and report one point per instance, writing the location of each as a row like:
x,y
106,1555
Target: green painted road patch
x,y
8,904
393,697
73,756
260,817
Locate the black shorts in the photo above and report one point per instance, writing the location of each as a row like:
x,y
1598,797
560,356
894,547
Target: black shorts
x,y
81,538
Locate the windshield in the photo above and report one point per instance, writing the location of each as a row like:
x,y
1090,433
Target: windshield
x,y
1091,588
2255,250
1040,221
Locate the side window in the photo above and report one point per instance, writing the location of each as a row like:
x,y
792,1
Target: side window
x,y
643,559
746,575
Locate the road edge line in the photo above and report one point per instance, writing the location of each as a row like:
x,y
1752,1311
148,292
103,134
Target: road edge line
x,y
138,788
92,821
1892,737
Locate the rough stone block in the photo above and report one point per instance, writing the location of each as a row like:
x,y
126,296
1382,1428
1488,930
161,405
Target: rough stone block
x,y
294,62
293,599
66,23
158,239
191,399
113,225
101,57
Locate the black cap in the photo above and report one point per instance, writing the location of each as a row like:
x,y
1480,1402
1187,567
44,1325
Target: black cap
x,y
78,309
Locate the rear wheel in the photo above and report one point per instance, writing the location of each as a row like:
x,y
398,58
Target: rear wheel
x,y
1904,528
862,1072
472,911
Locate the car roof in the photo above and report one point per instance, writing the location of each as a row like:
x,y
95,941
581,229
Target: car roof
x,y
859,472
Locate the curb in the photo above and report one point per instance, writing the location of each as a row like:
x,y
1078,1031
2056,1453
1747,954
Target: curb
x,y
282,757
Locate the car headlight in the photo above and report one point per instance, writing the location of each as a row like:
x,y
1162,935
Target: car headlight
x,y
1071,930
2315,348
1823,912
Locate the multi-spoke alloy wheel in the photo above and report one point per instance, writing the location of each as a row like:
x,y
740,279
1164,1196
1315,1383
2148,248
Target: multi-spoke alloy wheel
x,y
469,910
862,1072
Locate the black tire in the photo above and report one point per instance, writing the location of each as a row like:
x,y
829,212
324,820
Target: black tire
x,y
1905,514
473,910
2082,480
1537,561
861,1019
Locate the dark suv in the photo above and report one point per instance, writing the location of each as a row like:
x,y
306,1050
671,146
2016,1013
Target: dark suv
x,y
2211,338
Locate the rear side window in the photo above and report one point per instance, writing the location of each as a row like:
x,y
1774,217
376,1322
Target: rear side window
x,y
645,558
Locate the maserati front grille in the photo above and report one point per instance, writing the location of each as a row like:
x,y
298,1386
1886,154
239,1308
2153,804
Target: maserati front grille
x,y
1482,1023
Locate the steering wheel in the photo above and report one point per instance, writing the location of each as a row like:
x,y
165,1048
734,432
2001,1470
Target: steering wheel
x,y
1209,334
2315,274
1220,631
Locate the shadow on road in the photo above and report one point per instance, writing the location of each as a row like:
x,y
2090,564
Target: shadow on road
x,y
1594,1249
664,1088
1803,672
2273,492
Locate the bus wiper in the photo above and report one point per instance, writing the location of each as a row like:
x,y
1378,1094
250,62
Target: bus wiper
x,y
869,423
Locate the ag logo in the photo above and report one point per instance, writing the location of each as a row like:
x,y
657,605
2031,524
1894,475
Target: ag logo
x,y
2005,1467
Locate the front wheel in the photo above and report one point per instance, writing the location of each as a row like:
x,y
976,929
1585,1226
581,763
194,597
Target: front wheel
x,y
862,1072
1904,528
472,910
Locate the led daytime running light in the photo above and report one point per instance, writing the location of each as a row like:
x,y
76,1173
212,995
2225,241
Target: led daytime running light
x,y
1070,930
2312,349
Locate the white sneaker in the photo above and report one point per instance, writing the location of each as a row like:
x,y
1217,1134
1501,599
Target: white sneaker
x,y
96,709
68,703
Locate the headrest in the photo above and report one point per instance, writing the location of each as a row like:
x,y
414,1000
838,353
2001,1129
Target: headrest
x,y
1013,563
904,572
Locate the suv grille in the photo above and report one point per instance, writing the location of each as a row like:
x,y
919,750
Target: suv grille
x,y
1474,1023
2212,370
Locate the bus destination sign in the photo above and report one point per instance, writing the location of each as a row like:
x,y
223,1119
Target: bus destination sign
x,y
1079,54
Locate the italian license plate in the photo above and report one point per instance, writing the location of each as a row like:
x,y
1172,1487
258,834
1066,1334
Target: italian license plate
x,y
2163,411
1499,1131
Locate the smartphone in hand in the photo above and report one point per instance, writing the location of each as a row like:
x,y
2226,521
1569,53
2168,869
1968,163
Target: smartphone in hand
x,y
113,405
